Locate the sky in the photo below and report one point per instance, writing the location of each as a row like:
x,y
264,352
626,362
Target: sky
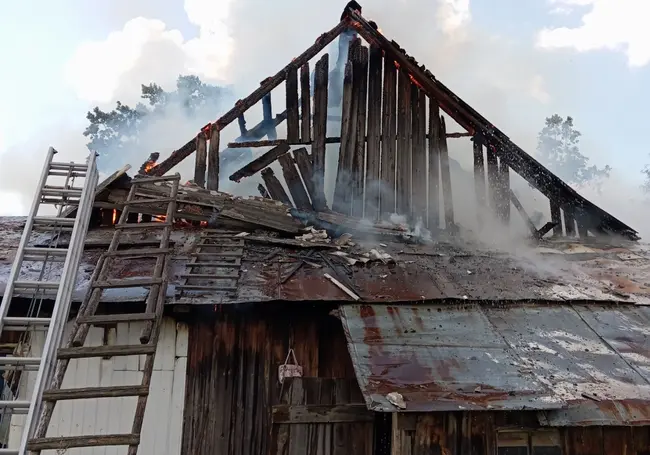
x,y
516,62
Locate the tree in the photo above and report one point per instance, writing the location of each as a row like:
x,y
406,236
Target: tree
x,y
558,148
117,133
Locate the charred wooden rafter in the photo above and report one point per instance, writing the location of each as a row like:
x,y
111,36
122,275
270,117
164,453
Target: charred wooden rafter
x,y
260,163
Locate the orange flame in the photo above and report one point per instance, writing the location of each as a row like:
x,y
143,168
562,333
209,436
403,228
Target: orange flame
x,y
159,219
114,216
149,165
415,82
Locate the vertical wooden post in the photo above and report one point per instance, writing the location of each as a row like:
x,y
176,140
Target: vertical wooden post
x,y
493,178
389,136
346,151
213,159
241,120
305,104
201,159
320,132
569,220
404,144
275,188
267,113
556,218
303,161
504,179
419,153
479,174
434,165
293,117
360,92
373,153
294,183
450,225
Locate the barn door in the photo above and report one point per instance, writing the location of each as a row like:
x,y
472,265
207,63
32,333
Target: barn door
x,y
319,416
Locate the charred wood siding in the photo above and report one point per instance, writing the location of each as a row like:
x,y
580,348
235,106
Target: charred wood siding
x,y
488,433
232,381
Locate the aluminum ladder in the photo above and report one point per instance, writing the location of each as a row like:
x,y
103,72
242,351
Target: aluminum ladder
x,y
61,196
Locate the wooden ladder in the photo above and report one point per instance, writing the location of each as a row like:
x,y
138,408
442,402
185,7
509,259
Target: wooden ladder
x,y
215,266
152,317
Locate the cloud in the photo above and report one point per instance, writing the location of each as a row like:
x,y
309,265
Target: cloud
x,y
615,25
146,50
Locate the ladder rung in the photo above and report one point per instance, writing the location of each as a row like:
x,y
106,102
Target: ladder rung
x,y
145,180
139,252
19,362
65,201
46,285
165,200
235,264
96,392
35,251
192,287
25,322
66,442
98,319
14,404
106,351
65,174
54,220
67,192
127,283
160,224
224,254
211,276
59,166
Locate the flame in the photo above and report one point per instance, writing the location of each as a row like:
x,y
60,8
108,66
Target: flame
x,y
159,219
397,65
114,216
148,166
415,82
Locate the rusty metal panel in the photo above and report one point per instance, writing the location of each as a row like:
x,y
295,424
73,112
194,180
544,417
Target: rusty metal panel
x,y
479,357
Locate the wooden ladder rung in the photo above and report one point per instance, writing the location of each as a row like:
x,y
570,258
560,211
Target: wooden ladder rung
x,y
139,252
160,224
164,200
95,392
127,283
101,319
66,442
145,180
211,276
224,254
106,351
233,264
194,287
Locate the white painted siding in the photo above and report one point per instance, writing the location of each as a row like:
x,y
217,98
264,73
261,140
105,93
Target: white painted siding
x,y
163,419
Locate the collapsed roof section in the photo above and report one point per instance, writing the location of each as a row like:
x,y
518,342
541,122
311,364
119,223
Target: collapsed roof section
x,y
393,154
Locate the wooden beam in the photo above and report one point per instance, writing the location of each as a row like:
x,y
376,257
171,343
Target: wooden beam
x,y
434,165
263,192
213,160
260,163
293,115
404,144
274,187
241,120
556,219
321,413
389,139
243,105
569,220
493,178
479,174
342,188
373,153
294,182
201,160
419,152
303,161
273,143
321,78
360,92
522,212
446,178
504,180
267,119
305,104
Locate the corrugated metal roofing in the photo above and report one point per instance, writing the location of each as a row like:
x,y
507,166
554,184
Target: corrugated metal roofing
x,y
420,272
509,357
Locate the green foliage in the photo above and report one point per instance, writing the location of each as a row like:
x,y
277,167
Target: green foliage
x,y
117,133
558,148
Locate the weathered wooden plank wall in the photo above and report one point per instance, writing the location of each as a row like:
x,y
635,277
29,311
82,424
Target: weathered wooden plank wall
x,y
489,433
232,380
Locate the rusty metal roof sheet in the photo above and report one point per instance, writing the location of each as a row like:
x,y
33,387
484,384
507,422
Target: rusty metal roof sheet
x,y
443,270
508,357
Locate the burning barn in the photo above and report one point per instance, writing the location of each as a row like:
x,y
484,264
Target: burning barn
x,y
362,319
